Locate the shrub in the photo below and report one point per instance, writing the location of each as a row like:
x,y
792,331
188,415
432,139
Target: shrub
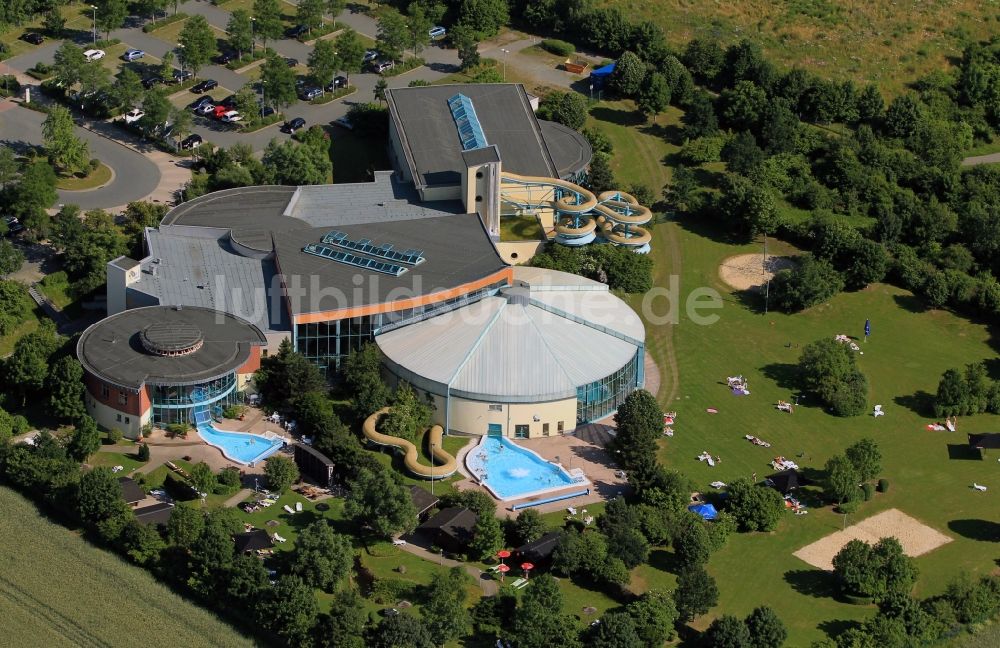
x,y
115,436
813,282
143,453
390,590
94,164
883,485
178,429
558,47
868,490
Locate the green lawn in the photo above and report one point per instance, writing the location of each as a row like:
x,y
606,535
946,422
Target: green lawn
x,y
112,459
520,228
92,180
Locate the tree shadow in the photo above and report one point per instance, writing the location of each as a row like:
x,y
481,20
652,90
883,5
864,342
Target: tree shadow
x,y
910,303
920,403
664,560
981,530
785,375
962,452
811,582
833,628
617,116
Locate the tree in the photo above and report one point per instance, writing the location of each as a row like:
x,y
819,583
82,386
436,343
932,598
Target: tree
x,y
866,458
468,48
11,258
54,24
871,106
86,439
268,20
65,387
813,282
418,26
879,571
380,87
344,625
952,396
640,426
111,14
484,17
240,31
15,305
127,90
289,163
829,371
539,622
748,206
9,167
741,153
696,593
197,43
202,477
487,537
363,374
869,264
288,611
185,526
150,7
28,367
323,62
409,415
841,481
627,79
766,629
281,473
743,105
392,34
756,508
527,527
322,558
903,116
654,96
278,80
567,108
690,542
36,188
399,630
616,630
100,496
182,120
727,632
247,581
156,107
654,614
287,375
378,501
350,53
140,542
699,119
165,69
704,58
444,611
64,149
310,13
68,63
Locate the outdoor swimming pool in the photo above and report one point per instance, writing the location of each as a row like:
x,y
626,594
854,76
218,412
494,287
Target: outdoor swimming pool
x,y
512,472
240,447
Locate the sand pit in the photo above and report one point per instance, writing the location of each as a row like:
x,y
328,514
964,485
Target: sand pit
x,y
917,538
747,271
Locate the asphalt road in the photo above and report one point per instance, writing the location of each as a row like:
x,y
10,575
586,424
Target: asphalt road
x,y
135,175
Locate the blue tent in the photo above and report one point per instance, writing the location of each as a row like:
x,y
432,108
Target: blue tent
x,y
706,511
601,74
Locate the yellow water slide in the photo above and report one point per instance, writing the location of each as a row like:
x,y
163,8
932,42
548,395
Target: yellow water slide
x,y
444,464
618,214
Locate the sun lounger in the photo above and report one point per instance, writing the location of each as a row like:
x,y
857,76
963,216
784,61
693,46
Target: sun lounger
x,y
718,484
278,538
399,542
298,507
521,585
518,583
948,423
571,510
878,411
978,487
289,509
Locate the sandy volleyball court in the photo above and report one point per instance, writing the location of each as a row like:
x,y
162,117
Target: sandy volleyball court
x,y
917,538
746,271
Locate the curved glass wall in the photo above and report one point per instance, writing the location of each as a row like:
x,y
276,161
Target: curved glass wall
x,y
603,397
174,404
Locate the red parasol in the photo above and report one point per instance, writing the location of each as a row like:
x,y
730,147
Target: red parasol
x,y
527,567
503,553
503,569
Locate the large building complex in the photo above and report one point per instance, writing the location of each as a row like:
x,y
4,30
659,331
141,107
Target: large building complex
x,y
412,261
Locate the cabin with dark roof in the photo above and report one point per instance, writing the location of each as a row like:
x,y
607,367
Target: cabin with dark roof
x,y
252,541
540,551
451,529
422,500
314,464
131,492
158,514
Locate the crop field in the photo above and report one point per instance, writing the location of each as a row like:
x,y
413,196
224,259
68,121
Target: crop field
x,y
56,590
890,43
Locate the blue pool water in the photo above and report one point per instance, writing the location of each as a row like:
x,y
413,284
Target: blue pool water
x,y
512,472
239,446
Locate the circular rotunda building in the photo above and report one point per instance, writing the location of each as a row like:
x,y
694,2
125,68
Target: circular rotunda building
x,y
550,352
162,364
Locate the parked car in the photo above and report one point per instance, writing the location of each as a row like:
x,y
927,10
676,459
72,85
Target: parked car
x,y
266,111
370,56
151,81
384,66
224,57
207,108
231,116
229,102
297,31
343,122
336,84
180,76
133,55
33,38
437,32
13,224
205,86
192,141
310,93
199,103
220,110
94,54
133,116
291,62
293,125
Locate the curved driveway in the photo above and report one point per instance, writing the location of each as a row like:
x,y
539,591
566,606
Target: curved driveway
x,y
135,176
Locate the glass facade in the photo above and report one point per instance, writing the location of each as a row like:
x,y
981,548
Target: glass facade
x,y
328,343
173,404
602,397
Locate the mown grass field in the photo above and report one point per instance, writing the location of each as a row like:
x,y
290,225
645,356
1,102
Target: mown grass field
x,y
890,43
56,590
930,473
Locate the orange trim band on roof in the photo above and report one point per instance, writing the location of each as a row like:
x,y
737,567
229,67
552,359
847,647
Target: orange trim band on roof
x,y
402,304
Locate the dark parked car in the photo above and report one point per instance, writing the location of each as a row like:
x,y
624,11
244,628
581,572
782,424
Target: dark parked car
x,y
13,224
205,86
310,93
229,102
293,125
151,81
192,141
224,58
180,76
291,62
33,38
266,111
336,84
297,31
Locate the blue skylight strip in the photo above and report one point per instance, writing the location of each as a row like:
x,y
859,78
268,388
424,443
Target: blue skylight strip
x,y
384,251
470,131
327,252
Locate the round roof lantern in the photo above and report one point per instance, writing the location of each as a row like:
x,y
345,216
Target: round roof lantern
x,y
171,339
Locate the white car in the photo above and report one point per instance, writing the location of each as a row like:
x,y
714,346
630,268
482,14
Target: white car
x,y
231,116
133,116
344,122
94,54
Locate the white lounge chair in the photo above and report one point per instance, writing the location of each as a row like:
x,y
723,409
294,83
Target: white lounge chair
x,y
978,487
522,585
278,538
399,542
878,411
298,507
518,583
289,509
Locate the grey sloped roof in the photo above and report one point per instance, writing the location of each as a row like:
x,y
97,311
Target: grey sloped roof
x,y
517,346
570,150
